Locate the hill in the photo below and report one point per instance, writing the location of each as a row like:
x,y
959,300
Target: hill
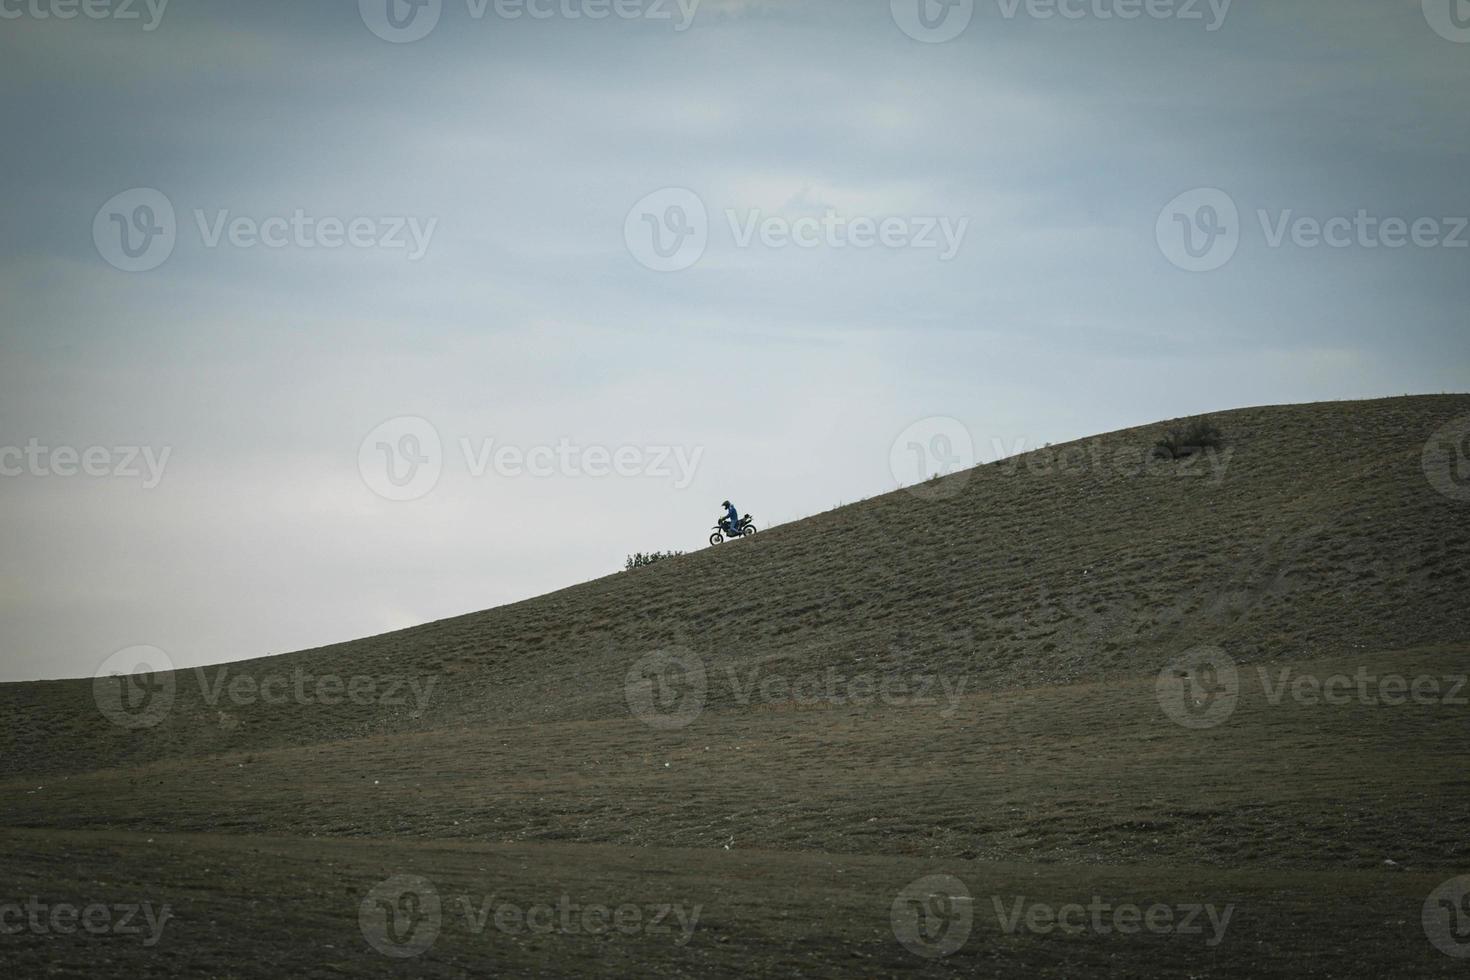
x,y
1082,675
1313,532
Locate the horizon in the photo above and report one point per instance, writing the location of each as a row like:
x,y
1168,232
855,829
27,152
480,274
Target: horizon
x,y
1079,386
328,330
152,663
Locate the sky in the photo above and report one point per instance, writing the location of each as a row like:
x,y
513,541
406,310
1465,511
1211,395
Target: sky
x,y
322,320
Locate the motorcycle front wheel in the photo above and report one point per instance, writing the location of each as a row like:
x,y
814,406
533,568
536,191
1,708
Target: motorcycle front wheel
x,y
716,538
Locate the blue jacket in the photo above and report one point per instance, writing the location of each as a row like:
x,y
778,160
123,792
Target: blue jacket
x,y
731,516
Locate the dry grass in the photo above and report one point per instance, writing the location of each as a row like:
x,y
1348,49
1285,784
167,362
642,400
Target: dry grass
x,y
1046,599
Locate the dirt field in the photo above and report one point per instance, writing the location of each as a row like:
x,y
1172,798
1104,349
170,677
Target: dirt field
x,y
267,906
1215,726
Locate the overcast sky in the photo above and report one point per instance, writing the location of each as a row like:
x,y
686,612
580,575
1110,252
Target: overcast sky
x,y
303,255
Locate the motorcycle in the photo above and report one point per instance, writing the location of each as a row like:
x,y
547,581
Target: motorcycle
x,y
722,530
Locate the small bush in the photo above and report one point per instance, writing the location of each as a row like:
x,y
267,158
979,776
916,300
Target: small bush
x,y
1194,436
638,558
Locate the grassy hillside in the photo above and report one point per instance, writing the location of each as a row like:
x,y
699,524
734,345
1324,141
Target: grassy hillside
x,y
983,678
1313,532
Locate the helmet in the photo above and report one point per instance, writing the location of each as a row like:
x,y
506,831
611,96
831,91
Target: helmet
x,y
725,504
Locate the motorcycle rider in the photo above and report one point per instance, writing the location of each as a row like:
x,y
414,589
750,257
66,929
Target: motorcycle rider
x,y
731,521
